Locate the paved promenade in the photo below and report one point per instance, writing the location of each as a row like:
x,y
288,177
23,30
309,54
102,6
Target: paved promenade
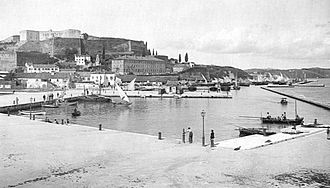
x,y
39,154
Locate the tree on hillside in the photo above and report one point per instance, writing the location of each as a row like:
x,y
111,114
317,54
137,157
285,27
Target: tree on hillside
x,y
179,58
186,57
103,53
70,52
156,52
153,52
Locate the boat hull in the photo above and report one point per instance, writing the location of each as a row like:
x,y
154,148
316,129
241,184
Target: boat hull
x,y
252,131
298,121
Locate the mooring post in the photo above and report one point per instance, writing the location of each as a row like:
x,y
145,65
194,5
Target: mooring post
x,y
62,121
159,135
8,111
100,127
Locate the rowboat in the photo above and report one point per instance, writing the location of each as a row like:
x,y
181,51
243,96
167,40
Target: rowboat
x,y
95,98
278,120
32,112
50,106
252,131
284,101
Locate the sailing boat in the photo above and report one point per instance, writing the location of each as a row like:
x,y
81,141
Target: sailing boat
x,y
124,98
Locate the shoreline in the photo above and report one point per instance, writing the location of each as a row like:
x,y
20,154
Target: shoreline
x,y
40,154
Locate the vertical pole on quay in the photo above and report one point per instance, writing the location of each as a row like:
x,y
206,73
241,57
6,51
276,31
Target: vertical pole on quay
x,y
203,113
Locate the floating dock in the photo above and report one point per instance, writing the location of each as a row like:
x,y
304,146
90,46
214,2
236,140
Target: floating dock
x,y
300,99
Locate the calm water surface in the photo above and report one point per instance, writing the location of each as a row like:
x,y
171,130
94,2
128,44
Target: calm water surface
x,y
170,116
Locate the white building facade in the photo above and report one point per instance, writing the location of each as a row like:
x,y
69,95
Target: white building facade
x,y
82,60
40,68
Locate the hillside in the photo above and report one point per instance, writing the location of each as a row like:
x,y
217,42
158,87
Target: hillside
x,y
296,73
211,72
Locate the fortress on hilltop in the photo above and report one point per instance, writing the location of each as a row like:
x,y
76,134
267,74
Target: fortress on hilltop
x,y
26,47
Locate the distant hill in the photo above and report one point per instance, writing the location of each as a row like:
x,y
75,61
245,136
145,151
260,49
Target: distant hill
x,y
211,71
295,73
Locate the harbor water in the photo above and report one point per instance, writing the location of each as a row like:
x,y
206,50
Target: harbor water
x,y
170,116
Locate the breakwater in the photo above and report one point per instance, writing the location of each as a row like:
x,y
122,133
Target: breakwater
x,y
318,104
27,106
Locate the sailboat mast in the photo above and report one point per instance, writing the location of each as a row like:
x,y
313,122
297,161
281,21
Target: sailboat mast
x,y
295,108
100,85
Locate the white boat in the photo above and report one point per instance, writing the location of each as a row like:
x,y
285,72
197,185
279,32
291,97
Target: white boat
x,y
124,98
32,112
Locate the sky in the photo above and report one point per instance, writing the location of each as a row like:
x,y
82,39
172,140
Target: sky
x,y
240,33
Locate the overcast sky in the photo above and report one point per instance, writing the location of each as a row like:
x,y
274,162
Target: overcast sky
x,y
239,33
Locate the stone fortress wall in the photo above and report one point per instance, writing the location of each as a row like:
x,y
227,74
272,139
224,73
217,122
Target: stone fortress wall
x,y
30,35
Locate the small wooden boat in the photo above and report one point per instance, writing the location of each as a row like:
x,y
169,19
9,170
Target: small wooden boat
x,y
95,98
76,113
278,120
32,112
236,88
284,101
252,131
50,106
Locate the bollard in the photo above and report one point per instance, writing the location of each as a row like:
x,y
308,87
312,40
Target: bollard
x,y
34,117
159,135
67,121
212,142
8,111
62,121
328,133
100,127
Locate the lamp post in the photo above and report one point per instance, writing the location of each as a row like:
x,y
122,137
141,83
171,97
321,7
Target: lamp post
x,y
203,113
31,107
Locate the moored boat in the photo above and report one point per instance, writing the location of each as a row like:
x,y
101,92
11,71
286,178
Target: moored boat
x,y
277,120
76,113
95,98
50,106
252,131
32,112
284,101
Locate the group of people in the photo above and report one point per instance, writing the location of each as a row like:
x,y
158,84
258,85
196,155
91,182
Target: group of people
x,y
55,121
190,136
283,116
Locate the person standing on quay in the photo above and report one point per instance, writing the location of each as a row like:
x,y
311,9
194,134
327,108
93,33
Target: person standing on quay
x,y
212,138
190,135
184,136
328,133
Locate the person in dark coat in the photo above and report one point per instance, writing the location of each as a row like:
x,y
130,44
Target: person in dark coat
x,y
212,138
190,135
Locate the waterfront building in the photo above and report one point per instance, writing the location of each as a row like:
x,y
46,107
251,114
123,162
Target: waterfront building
x,y
5,84
179,67
86,85
82,60
39,68
138,65
43,80
107,79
